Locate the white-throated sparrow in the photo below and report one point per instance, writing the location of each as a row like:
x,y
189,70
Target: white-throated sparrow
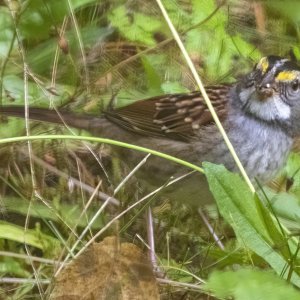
x,y
260,114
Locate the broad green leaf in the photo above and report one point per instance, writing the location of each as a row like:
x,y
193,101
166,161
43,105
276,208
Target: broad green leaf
x,y
247,284
278,238
39,16
69,213
30,237
233,196
236,204
288,9
40,58
287,206
13,267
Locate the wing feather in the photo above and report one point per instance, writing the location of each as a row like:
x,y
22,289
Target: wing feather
x,y
175,116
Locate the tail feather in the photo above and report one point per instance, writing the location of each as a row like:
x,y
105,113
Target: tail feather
x,y
51,116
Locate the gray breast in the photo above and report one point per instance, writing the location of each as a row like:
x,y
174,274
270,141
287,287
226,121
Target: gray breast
x,y
262,149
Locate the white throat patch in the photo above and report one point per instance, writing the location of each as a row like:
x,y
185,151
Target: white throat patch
x,y
271,109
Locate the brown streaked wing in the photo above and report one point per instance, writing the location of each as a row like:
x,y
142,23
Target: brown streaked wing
x,y
175,116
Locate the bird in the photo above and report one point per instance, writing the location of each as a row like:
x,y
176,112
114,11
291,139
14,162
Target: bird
x,y
260,114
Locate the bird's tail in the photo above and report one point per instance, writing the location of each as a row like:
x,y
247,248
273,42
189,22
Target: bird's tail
x,y
53,116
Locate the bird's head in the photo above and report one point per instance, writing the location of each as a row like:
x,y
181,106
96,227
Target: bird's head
x,y
271,92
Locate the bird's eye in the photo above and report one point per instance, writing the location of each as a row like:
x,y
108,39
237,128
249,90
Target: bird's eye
x,y
295,85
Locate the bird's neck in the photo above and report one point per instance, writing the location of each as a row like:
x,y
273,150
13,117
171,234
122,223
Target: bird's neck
x,y
262,147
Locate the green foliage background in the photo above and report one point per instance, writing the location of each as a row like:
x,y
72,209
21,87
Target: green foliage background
x,y
78,54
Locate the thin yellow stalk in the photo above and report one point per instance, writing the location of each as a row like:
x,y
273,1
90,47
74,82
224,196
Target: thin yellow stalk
x,y
105,141
205,96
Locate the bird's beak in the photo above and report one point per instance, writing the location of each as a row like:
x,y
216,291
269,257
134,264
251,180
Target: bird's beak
x,y
266,88
264,92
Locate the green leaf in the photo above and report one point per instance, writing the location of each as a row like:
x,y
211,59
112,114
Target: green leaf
x,y
287,206
154,81
237,206
137,27
173,87
30,237
40,58
70,213
233,197
288,9
39,16
6,32
293,171
247,284
13,267
278,238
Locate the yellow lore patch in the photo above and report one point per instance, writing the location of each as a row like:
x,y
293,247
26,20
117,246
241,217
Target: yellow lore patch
x,y
287,75
263,65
